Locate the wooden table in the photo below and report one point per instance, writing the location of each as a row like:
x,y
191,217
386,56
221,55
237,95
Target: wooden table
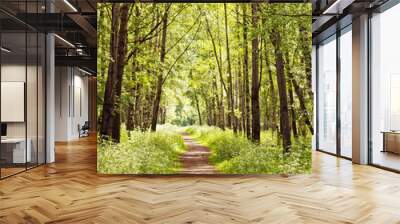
x,y
391,141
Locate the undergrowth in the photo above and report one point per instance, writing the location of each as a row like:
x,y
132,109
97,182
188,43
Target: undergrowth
x,y
235,154
141,153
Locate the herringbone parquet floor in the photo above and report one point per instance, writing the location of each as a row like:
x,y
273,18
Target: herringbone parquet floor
x,y
70,191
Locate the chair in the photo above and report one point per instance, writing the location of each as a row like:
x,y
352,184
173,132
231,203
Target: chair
x,y
84,130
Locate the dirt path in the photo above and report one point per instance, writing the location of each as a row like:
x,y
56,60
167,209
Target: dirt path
x,y
195,159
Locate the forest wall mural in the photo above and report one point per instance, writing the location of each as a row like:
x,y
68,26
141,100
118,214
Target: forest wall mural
x,y
216,88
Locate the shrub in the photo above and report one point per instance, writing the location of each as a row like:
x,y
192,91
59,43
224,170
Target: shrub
x,y
141,153
235,154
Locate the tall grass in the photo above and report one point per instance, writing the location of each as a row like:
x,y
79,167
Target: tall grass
x,y
235,154
141,153
159,152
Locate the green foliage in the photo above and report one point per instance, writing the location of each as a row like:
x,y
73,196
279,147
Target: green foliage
x,y
195,86
184,116
228,145
234,154
141,153
193,80
159,152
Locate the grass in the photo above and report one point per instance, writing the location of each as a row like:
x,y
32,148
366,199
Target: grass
x,y
159,152
235,154
141,153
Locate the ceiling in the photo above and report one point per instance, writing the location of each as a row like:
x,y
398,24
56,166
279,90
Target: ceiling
x,y
332,15
73,21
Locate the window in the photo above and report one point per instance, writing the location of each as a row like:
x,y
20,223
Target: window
x,y
327,95
22,77
346,92
385,89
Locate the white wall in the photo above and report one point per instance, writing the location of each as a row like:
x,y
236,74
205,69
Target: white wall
x,y
33,127
12,73
16,73
81,108
71,87
62,81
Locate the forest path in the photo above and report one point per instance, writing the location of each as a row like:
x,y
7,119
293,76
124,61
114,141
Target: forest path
x,y
196,159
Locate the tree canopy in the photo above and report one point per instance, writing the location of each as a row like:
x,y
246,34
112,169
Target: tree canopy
x,y
244,67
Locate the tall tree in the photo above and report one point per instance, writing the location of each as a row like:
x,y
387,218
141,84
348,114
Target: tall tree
x,y
120,64
160,78
292,110
271,88
246,89
231,116
198,108
240,101
111,117
106,128
283,102
255,93
223,85
130,120
299,94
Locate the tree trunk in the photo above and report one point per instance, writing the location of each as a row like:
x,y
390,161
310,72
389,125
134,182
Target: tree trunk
x,y
266,112
122,51
162,115
292,109
222,108
246,75
156,103
231,114
255,95
130,124
299,94
198,108
237,98
240,101
106,128
147,110
213,117
136,111
271,89
208,110
221,116
130,120
283,102
160,79
218,115
217,59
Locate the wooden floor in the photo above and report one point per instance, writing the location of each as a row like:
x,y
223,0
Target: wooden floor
x,y
387,159
70,191
5,172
